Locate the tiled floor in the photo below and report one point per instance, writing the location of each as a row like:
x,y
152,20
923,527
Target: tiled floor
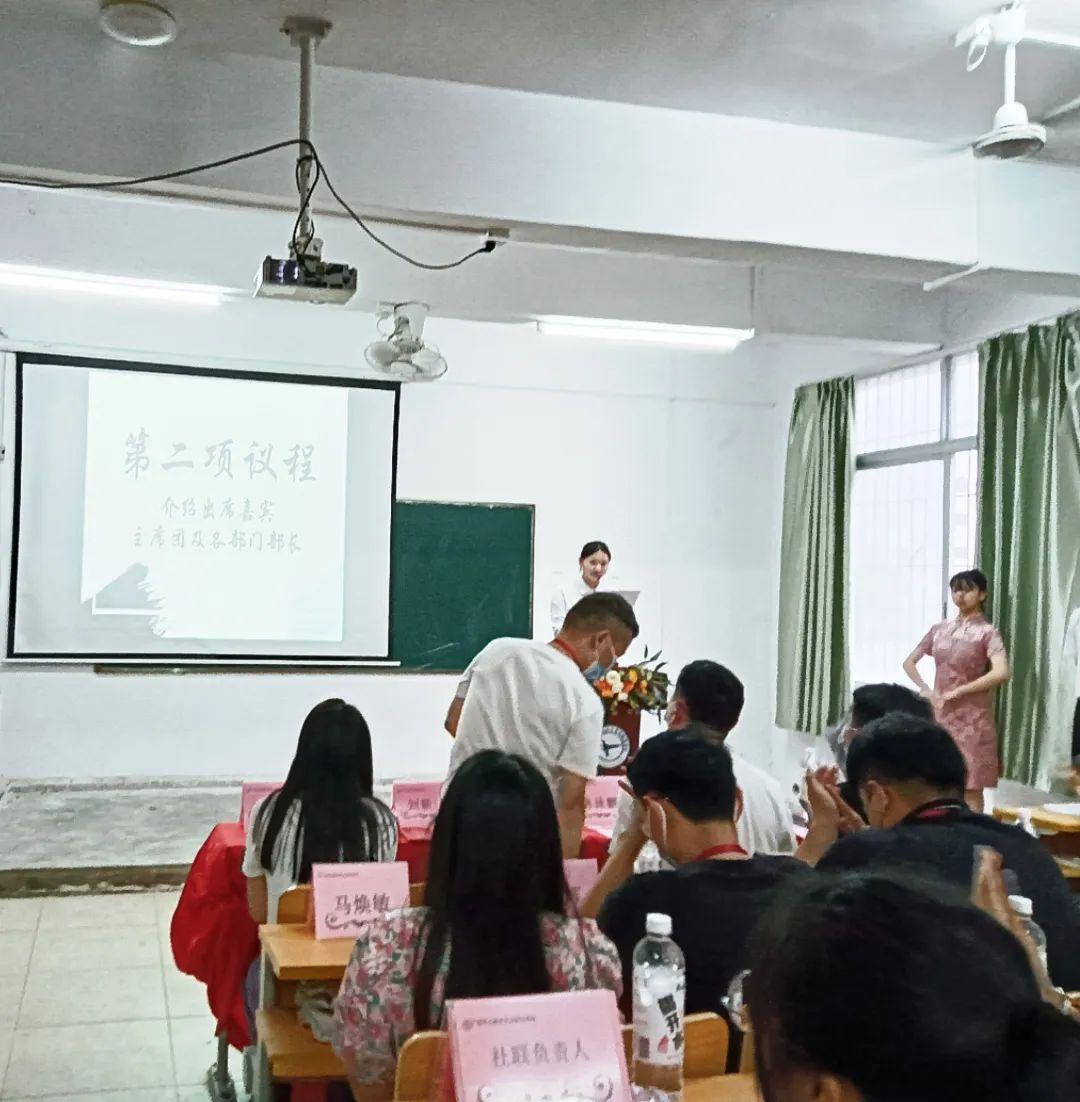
x,y
92,1008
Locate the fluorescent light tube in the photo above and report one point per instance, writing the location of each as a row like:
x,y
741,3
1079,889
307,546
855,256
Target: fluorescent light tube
x,y
643,332
89,283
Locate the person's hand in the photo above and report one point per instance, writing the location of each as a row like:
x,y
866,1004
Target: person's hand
x,y
637,822
936,699
824,812
988,893
950,696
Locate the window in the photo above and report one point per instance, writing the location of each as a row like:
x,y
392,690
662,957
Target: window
x,y
914,506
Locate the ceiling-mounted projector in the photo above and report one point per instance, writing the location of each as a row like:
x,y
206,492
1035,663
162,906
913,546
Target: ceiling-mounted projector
x,y
305,276
403,354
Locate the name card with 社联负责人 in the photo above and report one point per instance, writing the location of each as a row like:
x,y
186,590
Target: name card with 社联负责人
x,y
581,874
347,896
601,799
523,1048
415,805
251,792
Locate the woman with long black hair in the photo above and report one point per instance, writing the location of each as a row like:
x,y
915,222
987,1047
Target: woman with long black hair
x,y
325,812
873,988
494,920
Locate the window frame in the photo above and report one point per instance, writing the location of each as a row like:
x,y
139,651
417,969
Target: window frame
x,y
942,450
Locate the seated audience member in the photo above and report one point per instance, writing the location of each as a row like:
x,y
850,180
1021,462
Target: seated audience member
x,y
711,697
536,700
687,804
494,920
870,702
868,988
911,778
324,812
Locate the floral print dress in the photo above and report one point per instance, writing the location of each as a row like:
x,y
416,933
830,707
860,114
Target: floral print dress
x,y
373,1012
961,650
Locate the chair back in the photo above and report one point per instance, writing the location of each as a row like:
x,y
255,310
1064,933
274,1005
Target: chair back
x,y
294,904
419,1067
705,1051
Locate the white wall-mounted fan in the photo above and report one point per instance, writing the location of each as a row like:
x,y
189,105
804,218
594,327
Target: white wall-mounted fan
x,y
402,353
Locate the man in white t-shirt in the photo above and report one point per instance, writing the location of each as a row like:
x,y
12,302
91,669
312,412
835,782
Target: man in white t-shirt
x,y
536,700
711,696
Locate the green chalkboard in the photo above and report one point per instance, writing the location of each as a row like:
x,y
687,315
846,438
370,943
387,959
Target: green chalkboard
x,y
462,576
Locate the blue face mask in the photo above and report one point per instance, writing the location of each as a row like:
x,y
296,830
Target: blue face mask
x,y
597,669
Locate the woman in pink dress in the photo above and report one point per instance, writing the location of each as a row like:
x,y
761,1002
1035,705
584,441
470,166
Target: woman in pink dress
x,y
970,658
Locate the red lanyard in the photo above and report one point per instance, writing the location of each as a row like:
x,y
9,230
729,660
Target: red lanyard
x,y
936,811
566,649
716,851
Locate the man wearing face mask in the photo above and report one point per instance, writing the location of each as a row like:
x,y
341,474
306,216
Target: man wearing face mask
x,y
686,802
537,700
710,696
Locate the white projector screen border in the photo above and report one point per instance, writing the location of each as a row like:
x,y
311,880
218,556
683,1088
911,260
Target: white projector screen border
x,y
176,659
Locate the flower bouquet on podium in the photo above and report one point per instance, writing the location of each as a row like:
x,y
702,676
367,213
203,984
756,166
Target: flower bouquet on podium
x,y
626,692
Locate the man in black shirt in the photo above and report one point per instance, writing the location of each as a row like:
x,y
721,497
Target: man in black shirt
x,y
911,778
687,803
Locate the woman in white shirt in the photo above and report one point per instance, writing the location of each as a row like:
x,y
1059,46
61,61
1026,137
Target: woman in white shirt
x,y
593,562
324,812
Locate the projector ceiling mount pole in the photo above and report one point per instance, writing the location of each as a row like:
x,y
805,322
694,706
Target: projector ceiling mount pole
x,y
306,32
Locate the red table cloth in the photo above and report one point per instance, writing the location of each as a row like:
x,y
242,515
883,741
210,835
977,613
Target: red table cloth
x,y
213,936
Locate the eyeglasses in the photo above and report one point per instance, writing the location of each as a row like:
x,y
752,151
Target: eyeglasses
x,y
734,1003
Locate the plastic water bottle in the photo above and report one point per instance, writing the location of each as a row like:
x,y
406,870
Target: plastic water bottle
x,y
659,1003
1022,906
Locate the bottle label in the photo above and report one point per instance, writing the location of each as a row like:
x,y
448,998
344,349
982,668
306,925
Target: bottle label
x,y
659,1002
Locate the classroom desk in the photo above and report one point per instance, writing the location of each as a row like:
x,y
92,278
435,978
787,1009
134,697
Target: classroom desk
x,y
1059,833
294,953
721,1088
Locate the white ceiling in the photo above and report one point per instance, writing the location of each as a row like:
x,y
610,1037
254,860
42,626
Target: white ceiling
x,y
886,66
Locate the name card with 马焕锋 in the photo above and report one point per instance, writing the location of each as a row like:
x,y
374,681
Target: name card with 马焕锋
x,y
581,874
415,805
601,799
347,896
530,1048
251,792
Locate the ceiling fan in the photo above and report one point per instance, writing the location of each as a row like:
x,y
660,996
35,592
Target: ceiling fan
x,y
402,353
1013,134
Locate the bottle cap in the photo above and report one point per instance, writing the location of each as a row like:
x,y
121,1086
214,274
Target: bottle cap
x,y
658,924
1021,905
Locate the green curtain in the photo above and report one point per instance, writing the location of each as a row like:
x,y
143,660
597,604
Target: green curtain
x,y
1029,532
812,660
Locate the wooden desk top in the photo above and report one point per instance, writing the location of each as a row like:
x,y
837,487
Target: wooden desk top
x,y
1043,820
294,954
721,1088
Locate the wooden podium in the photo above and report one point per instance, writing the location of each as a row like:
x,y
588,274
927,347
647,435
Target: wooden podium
x,y
619,739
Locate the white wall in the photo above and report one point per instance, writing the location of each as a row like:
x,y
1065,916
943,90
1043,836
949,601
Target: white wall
x,y
669,456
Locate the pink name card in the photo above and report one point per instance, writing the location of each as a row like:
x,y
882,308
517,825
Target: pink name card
x,y
581,874
527,1047
251,792
348,895
601,799
415,805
